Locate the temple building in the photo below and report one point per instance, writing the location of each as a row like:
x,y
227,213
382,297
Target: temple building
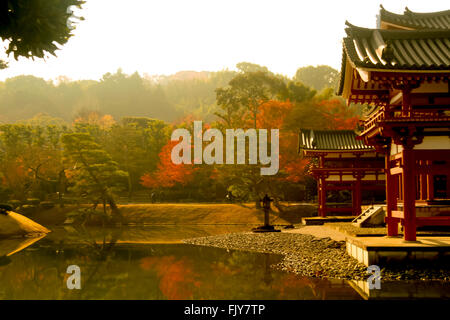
x,y
401,70
343,163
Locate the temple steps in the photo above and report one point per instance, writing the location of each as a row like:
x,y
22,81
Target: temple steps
x,y
370,217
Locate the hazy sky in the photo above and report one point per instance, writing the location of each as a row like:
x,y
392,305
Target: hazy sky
x,y
166,36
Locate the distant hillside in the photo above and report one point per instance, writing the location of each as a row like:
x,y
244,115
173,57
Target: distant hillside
x,y
186,92
190,75
167,98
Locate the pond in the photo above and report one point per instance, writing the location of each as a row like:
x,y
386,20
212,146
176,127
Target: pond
x,y
150,263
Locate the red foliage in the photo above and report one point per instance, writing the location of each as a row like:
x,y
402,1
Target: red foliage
x,y
177,280
338,115
167,173
272,115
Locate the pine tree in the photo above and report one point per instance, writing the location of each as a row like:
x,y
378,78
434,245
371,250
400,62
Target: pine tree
x,y
94,174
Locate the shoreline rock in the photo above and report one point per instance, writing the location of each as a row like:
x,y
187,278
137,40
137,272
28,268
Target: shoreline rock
x,y
13,224
310,256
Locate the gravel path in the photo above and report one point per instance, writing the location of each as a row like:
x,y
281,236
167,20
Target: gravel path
x,y
319,232
310,256
304,254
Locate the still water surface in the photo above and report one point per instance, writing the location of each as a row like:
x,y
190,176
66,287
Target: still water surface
x,y
150,263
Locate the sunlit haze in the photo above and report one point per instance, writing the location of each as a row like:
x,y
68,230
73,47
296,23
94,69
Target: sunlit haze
x,y
166,36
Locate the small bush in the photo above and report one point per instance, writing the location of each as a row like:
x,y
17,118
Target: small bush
x,y
28,209
14,203
33,201
47,204
5,207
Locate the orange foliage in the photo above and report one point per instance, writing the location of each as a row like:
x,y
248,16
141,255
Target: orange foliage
x,y
293,283
177,280
272,115
167,173
95,118
338,115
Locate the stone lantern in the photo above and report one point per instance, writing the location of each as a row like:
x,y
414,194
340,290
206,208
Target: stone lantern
x,y
266,207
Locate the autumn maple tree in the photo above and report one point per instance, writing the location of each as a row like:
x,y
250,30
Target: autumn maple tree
x,y
167,174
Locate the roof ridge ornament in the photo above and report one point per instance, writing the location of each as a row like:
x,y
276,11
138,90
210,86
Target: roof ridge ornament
x,y
313,139
348,24
387,54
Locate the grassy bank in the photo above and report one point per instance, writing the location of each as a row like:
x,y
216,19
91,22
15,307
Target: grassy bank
x,y
189,214
200,214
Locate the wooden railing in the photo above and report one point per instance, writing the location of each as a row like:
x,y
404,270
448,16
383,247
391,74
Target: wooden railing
x,y
412,115
371,122
348,170
355,172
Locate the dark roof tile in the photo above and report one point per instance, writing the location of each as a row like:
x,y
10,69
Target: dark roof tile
x,y
411,50
339,140
409,19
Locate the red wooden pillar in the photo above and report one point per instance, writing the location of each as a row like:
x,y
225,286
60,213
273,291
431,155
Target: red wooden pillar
x,y
406,101
409,194
447,187
423,183
322,197
391,199
430,183
319,196
322,192
357,195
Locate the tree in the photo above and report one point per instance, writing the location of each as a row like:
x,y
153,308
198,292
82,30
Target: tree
x,y
323,112
167,173
33,26
297,92
116,94
246,91
338,115
251,67
30,160
135,144
92,170
319,77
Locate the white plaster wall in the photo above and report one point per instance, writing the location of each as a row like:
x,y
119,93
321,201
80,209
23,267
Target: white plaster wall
x,y
373,177
396,149
434,143
337,178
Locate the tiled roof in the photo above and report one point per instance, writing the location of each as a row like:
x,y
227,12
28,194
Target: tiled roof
x,y
338,140
398,49
415,20
395,50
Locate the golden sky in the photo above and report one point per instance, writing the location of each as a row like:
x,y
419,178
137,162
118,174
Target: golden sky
x,y
166,36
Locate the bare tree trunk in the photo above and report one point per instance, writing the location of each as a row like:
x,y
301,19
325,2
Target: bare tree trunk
x,y
130,188
116,214
61,188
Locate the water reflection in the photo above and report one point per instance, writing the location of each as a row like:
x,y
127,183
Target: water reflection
x,y
403,290
130,263
13,245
